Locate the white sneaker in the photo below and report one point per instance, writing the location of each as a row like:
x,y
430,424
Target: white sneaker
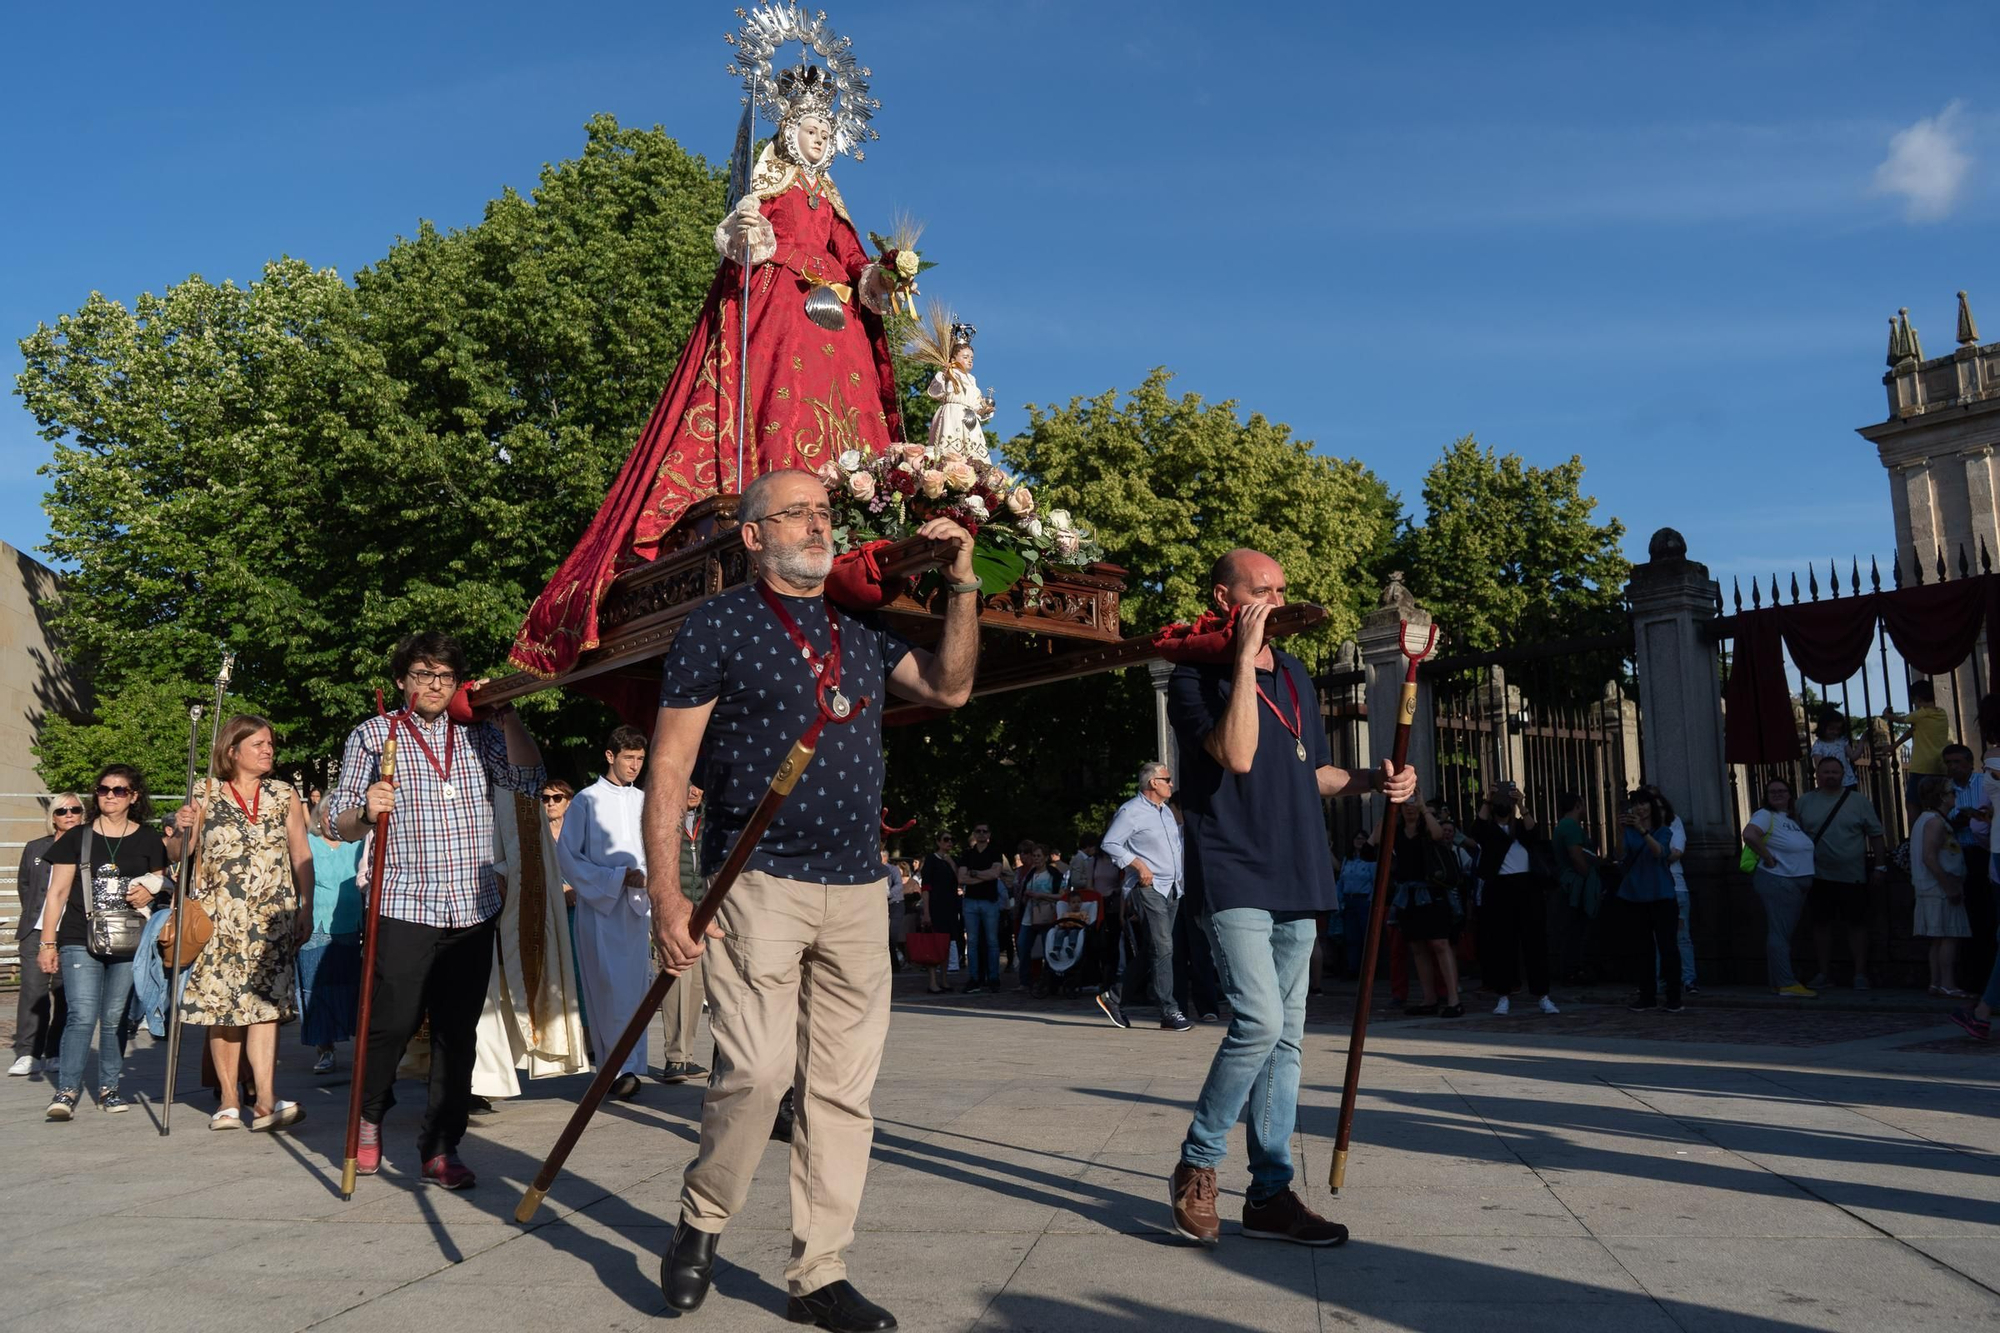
x,y
1501,1007
24,1066
1549,1006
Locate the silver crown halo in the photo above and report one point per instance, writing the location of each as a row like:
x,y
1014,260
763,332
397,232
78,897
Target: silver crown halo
x,y
963,334
839,92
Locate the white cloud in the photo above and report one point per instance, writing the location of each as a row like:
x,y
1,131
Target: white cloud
x,y
1927,164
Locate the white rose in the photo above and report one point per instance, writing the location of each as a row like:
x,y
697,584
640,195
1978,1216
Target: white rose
x,y
976,507
1020,502
850,461
906,264
1060,520
1068,544
1034,528
861,485
958,475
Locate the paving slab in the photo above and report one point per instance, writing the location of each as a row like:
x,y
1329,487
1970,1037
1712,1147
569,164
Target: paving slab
x,y
1562,1175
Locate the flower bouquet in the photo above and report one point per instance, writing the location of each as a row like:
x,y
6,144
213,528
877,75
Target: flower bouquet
x,y
888,496
898,258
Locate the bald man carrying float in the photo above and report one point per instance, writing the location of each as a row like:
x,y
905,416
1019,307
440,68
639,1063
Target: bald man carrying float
x,y
1255,766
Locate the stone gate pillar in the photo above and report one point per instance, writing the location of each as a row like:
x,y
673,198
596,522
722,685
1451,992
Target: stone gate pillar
x,y
1382,658
1680,695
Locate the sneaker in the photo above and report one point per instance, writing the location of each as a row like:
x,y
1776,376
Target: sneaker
x,y
24,1066
680,1071
323,1065
112,1102
1820,982
1503,1007
1978,1028
1861,982
368,1154
1211,1017
1192,1192
1674,1008
64,1106
1803,992
1549,1006
445,1169
1640,1006
1176,1023
1692,989
1286,1217
1112,1009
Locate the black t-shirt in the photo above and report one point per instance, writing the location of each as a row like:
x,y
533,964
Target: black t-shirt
x,y
733,651
974,860
119,861
1255,839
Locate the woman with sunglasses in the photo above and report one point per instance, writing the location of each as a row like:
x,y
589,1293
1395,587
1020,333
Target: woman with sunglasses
x,y
556,796
126,861
38,1011
255,880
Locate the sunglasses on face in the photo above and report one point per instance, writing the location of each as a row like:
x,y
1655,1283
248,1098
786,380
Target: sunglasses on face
x,y
67,811
103,790
553,798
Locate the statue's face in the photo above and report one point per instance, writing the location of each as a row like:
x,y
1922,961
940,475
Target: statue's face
x,y
962,358
815,137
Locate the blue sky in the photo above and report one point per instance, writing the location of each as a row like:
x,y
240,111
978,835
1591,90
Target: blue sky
x,y
1665,238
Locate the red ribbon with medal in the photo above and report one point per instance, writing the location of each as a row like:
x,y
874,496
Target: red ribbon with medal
x,y
443,771
1297,724
824,666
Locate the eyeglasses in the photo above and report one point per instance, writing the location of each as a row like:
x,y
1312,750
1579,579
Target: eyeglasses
x,y
976,832
434,677
553,798
103,790
801,514
67,811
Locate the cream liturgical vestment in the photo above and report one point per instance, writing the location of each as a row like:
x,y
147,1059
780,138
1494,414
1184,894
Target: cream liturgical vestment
x,y
532,1020
601,840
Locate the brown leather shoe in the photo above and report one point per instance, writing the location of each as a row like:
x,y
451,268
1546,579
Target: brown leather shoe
x,y
1193,1195
1286,1217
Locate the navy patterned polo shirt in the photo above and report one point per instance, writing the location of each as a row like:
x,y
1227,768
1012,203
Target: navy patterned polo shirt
x,y
732,650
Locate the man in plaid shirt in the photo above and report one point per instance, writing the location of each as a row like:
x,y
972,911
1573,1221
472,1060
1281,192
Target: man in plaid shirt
x,y
440,895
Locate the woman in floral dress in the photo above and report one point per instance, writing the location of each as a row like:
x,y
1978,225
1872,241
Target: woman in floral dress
x,y
255,879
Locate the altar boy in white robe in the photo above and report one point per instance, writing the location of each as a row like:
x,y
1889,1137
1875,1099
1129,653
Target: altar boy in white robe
x,y
603,856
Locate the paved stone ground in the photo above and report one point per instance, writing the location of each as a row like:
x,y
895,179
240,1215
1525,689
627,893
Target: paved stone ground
x,y
1729,1169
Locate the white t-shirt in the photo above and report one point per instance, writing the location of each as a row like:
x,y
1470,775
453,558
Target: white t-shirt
x,y
1790,845
1677,841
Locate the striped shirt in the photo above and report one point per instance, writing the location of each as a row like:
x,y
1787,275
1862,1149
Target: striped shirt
x,y
440,861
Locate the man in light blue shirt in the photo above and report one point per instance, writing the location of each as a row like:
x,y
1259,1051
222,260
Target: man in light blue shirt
x,y
1145,842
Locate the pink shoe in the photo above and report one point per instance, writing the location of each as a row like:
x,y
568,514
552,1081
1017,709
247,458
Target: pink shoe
x,y
368,1153
445,1169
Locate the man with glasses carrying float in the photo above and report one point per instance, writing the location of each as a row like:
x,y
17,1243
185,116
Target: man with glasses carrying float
x,y
797,961
440,892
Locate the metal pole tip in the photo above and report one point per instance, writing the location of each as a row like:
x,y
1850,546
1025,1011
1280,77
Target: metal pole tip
x,y
525,1210
347,1179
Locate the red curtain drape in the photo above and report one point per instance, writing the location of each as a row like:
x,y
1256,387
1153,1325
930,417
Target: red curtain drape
x,y
1757,726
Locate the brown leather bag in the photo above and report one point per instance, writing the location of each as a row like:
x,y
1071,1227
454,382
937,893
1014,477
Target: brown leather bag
x,y
182,940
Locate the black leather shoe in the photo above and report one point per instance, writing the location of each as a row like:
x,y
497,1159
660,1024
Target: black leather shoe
x,y
838,1306
687,1268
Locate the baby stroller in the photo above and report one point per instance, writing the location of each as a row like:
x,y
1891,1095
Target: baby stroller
x,y
1067,961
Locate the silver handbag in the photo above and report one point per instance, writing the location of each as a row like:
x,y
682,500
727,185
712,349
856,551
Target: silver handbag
x,y
111,931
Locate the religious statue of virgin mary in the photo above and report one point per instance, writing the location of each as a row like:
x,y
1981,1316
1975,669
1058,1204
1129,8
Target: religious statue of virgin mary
x,y
811,380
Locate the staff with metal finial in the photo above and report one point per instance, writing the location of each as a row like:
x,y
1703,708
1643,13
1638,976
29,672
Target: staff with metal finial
x,y
1406,715
782,782
174,937
377,868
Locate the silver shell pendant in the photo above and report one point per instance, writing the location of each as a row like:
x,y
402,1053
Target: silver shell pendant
x,y
1302,751
824,309
836,703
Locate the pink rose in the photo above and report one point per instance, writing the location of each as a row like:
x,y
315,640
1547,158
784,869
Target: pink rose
x,y
829,473
960,475
861,486
932,485
1020,502
1068,544
994,480
912,454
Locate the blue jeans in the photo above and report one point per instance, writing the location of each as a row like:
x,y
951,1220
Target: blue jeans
x,y
1685,940
1354,927
98,992
982,942
1265,962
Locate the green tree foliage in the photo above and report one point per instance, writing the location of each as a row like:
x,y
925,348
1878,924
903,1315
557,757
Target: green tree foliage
x,y
305,470
145,724
1509,553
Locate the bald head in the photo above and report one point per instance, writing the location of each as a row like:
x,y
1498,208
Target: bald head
x,y
1244,576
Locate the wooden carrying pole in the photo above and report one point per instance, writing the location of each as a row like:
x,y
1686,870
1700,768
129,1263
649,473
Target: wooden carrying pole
x,y
377,867
184,882
1378,911
781,786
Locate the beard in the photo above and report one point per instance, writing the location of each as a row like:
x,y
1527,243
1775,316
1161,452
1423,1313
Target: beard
x,y
802,565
